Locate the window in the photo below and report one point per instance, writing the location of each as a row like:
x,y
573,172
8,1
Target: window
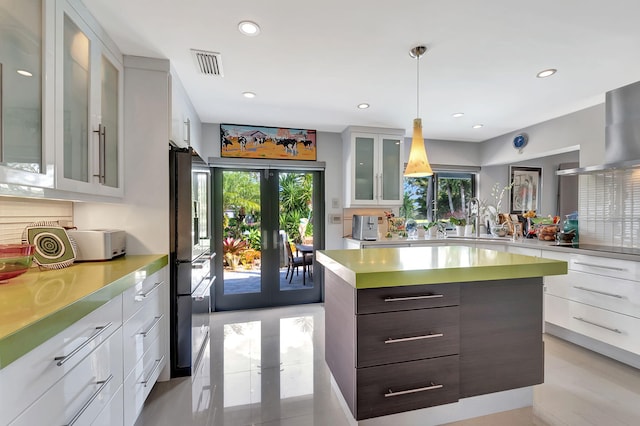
x,y
445,194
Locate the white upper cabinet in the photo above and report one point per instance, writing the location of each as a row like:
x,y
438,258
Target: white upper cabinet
x,y
26,71
373,167
89,77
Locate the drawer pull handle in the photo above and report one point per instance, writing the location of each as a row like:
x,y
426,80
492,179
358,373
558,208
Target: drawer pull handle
x,y
594,265
153,371
406,392
615,330
409,339
99,330
400,299
141,296
154,325
604,293
103,384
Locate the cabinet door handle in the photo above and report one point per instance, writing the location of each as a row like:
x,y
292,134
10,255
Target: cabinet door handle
x,y
604,293
141,296
153,371
154,325
595,265
99,330
432,386
102,141
409,339
401,299
103,384
615,330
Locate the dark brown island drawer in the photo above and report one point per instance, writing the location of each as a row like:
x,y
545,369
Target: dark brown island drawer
x,y
405,386
407,335
388,299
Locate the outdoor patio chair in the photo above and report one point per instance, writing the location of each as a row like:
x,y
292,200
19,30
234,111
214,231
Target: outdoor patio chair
x,y
294,262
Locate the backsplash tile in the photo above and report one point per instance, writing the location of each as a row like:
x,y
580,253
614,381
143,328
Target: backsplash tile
x,y
609,208
17,213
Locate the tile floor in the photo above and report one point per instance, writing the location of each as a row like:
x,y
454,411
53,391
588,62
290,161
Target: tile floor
x,y
266,367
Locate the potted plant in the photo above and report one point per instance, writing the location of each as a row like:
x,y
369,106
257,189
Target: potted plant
x,y
459,224
432,229
232,249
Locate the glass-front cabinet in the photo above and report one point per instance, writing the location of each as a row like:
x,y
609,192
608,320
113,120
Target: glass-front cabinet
x,y
89,102
26,144
373,168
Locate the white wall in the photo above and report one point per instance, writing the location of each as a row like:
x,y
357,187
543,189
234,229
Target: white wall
x,y
582,130
448,152
144,212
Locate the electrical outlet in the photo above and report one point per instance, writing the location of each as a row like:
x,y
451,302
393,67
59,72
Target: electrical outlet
x,y
335,219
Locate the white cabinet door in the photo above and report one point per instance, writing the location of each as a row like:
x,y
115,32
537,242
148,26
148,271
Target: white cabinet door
x,y
89,106
373,169
24,380
82,393
609,327
26,89
613,294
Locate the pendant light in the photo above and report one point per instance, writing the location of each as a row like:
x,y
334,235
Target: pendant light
x,y
418,164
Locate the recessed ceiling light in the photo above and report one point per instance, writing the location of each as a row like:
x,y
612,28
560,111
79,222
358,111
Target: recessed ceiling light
x,y
457,114
546,73
249,28
25,73
249,95
477,126
363,105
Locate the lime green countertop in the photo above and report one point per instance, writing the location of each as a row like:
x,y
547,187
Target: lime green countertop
x,y
41,303
389,267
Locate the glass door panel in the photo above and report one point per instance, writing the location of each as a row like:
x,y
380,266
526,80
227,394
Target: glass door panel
x,y
21,85
364,166
295,198
391,169
109,111
242,244
76,102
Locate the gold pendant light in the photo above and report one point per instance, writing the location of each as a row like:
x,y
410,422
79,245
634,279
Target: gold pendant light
x,y
418,164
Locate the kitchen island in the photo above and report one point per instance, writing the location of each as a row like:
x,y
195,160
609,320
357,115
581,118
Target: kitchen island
x,y
429,335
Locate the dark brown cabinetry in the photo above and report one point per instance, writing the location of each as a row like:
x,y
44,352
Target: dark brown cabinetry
x,y
397,349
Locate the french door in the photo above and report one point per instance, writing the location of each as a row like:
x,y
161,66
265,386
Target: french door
x,y
269,222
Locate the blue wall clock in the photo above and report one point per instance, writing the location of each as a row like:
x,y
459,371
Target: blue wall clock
x,y
520,141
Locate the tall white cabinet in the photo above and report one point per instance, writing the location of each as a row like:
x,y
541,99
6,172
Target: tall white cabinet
x,y
373,166
89,77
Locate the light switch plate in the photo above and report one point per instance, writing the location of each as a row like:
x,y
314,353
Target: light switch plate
x,y
335,203
335,219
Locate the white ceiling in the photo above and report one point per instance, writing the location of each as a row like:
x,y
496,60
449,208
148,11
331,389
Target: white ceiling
x,y
314,61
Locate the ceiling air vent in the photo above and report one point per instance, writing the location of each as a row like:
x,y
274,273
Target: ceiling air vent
x,y
209,63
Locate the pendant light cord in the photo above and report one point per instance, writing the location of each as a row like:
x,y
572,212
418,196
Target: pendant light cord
x,y
418,86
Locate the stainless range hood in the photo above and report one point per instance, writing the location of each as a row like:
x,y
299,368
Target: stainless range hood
x,y
622,132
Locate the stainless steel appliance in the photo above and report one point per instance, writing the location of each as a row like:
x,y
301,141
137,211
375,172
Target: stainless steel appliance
x,y
190,262
98,244
364,228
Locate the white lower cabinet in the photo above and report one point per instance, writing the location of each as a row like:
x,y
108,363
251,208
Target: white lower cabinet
x,y
615,329
140,380
27,378
84,392
99,370
598,298
145,336
112,413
